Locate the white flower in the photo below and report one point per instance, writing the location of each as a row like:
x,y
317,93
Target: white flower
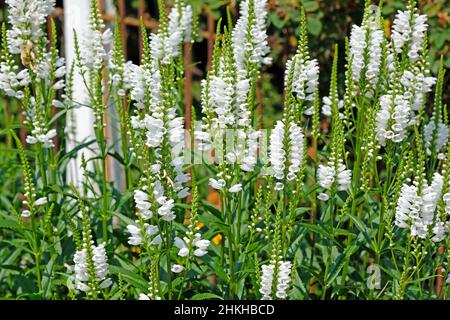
x,y
94,46
366,41
176,268
401,29
296,151
408,205
44,138
43,66
135,239
143,297
26,19
155,131
41,201
430,196
267,272
344,177
251,152
165,210
235,188
305,77
375,54
250,37
279,186
140,196
323,196
397,109
183,252
411,32
439,230
418,35
416,85
283,279
152,230
419,210
446,198
217,184
142,204
357,46
156,240
277,153
106,283
382,119
83,287
12,80
326,176
99,260
186,22
202,246
326,106
166,44
25,214
441,136
278,158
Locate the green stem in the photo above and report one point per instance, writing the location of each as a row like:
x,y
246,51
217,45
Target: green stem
x,y
169,271
228,216
37,255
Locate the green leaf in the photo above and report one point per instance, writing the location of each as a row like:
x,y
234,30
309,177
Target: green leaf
x,y
314,26
48,277
310,6
131,277
124,218
362,228
57,116
275,19
212,221
339,263
206,296
11,224
216,212
440,40
18,243
72,153
316,228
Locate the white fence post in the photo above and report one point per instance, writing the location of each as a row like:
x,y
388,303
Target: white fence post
x,y
79,121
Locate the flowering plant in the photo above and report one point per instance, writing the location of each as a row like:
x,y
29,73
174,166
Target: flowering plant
x,y
356,211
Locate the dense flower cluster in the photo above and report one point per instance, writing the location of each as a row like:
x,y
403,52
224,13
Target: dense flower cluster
x,y
26,18
417,210
166,44
282,283
12,81
408,30
250,35
46,139
285,165
99,259
328,177
94,47
326,107
397,111
366,49
305,77
442,134
267,281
